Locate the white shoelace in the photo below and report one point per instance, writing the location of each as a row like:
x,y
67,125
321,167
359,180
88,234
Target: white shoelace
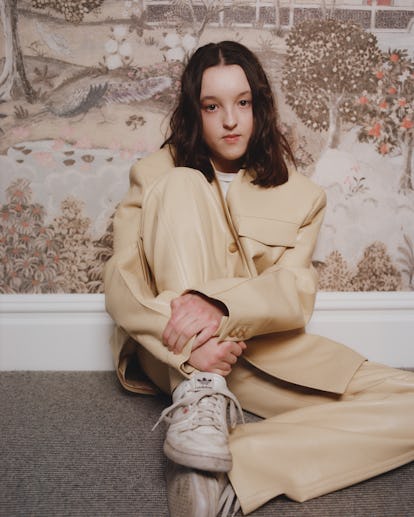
x,y
207,404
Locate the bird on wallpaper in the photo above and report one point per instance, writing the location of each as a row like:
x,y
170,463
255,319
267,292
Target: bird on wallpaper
x,y
77,96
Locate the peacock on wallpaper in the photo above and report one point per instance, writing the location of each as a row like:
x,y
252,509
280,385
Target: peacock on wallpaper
x,y
86,88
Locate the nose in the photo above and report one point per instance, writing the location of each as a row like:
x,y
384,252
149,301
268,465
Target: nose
x,y
229,119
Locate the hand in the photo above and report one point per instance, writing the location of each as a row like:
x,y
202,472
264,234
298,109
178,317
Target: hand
x,y
217,357
191,315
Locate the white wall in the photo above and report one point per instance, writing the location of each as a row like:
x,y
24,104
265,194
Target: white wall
x,y
71,332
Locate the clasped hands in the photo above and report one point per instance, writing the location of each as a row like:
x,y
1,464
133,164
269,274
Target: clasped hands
x,y
194,315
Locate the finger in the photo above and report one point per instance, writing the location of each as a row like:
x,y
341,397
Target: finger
x,y
222,369
177,302
232,359
167,333
203,336
178,332
188,330
238,349
171,335
180,343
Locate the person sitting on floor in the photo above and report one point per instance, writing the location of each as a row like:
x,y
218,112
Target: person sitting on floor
x,y
211,286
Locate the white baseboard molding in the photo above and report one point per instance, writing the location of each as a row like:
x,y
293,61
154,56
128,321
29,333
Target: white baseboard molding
x,y
72,331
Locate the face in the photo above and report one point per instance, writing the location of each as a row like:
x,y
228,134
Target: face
x,y
227,115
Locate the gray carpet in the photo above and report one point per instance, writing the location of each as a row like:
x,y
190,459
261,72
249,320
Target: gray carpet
x,y
77,444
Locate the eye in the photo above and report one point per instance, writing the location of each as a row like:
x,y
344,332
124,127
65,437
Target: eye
x,y
244,103
210,107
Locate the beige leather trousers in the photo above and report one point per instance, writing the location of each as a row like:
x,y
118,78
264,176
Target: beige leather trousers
x,y
310,442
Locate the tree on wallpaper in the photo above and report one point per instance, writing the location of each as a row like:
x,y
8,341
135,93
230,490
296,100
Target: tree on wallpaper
x,y
374,271
192,18
388,112
326,66
407,259
73,10
14,74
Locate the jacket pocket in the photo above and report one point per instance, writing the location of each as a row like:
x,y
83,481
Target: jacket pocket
x,y
265,240
270,232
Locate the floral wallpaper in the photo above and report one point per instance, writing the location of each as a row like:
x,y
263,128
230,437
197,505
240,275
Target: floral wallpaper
x,y
86,88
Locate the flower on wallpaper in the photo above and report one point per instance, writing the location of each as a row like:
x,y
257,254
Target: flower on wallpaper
x,y
355,185
45,159
58,145
133,7
83,143
21,132
118,50
179,48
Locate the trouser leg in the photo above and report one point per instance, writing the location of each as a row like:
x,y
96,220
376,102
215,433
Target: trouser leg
x,y
317,443
186,239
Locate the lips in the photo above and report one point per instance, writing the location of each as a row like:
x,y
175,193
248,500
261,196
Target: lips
x,y
231,138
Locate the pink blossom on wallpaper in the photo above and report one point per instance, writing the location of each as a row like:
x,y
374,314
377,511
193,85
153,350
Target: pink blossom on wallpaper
x,y
114,146
85,167
44,158
21,132
139,147
83,143
384,148
126,154
407,123
58,145
375,130
67,132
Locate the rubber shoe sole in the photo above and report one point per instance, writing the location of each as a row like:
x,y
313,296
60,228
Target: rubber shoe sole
x,y
200,461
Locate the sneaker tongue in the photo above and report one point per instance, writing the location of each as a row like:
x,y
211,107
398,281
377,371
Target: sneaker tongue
x,y
203,383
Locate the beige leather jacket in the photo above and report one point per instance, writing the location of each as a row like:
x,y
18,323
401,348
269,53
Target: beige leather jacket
x,y
276,230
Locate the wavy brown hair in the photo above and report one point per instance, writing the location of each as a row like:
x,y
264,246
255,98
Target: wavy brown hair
x,y
268,149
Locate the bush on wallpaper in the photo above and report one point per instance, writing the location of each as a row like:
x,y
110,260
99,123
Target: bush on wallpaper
x,y
86,87
41,257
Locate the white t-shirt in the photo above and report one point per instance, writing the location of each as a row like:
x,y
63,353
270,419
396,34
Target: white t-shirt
x,y
225,178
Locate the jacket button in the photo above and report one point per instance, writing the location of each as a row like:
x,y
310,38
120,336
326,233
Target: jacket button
x,y
232,247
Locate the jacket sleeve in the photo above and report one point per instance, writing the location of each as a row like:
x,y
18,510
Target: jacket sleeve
x,y
280,298
129,295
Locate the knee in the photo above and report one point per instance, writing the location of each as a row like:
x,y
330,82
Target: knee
x,y
184,179
179,187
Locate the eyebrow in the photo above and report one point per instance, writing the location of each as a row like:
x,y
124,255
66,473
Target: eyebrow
x,y
213,97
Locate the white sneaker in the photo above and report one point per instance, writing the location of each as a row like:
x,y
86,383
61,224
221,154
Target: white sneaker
x,y
196,493
197,436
